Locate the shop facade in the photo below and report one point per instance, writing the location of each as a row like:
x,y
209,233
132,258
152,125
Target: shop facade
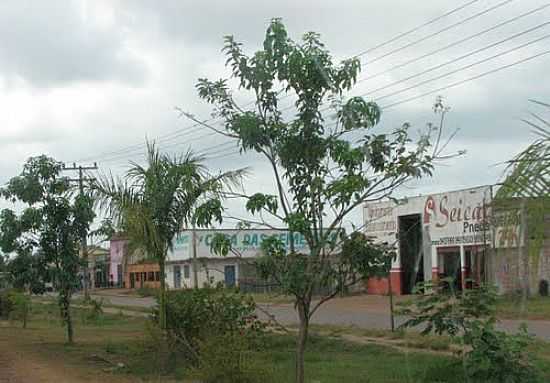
x,y
435,236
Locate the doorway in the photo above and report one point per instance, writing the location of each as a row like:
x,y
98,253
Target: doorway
x,y
229,272
450,267
410,250
177,277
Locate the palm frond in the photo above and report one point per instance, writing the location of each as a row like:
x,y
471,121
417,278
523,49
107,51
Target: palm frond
x,y
528,174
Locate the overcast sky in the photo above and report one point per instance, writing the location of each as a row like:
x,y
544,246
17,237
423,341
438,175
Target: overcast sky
x,y
80,80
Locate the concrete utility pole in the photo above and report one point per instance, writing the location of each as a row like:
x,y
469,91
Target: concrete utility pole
x,y
84,234
195,271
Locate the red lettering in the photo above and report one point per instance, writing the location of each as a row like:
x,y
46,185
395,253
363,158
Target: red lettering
x,y
444,212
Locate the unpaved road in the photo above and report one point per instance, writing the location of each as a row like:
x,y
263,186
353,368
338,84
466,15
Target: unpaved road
x,y
365,311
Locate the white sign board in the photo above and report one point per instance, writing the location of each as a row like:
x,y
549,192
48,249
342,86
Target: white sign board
x,y
245,243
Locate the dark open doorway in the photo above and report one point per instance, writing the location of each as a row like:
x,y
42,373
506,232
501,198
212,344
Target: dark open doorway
x,y
410,251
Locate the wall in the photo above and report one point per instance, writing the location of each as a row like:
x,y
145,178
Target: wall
x,y
118,249
143,268
215,272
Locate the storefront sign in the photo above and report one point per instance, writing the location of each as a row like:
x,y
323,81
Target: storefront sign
x,y
244,243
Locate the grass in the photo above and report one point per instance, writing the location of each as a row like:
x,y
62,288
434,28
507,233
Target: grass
x,y
104,342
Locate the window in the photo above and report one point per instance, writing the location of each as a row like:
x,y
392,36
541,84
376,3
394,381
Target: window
x,y
186,271
157,276
151,276
137,276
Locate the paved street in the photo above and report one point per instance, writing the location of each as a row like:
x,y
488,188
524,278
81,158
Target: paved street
x,y
370,312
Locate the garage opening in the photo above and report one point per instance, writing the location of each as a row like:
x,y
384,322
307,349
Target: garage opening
x,y
410,250
449,265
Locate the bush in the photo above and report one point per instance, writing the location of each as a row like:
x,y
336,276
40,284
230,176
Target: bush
x,y
20,306
232,363
93,311
469,316
194,315
147,292
6,305
499,357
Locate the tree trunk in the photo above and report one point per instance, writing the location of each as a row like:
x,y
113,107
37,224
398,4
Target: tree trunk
x,y
162,294
65,298
303,313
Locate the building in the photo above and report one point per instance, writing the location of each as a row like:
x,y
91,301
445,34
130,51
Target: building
x,y
234,269
231,270
118,256
145,274
459,234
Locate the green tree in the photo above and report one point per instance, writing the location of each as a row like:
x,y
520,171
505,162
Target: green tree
x,y
28,272
322,170
49,223
152,204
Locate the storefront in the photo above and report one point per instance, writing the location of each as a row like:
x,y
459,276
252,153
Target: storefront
x,y
436,236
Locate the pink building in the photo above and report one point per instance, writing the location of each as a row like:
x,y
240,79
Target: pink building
x,y
119,248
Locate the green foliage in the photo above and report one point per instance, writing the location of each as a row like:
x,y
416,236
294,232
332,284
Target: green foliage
x,y
489,355
231,363
20,306
147,292
28,272
327,169
50,225
6,304
193,315
93,311
499,357
153,203
444,310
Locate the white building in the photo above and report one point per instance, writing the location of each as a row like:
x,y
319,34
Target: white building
x,y
439,235
212,268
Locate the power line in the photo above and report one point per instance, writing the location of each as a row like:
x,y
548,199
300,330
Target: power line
x,y
464,67
410,31
453,44
455,84
180,132
463,21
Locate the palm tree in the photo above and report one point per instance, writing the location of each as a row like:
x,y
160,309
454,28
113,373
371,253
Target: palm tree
x,y
152,203
528,173
527,179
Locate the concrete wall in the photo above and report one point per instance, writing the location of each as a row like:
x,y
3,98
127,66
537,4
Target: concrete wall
x,y
208,270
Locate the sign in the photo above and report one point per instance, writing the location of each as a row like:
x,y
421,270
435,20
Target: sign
x,y
460,217
244,243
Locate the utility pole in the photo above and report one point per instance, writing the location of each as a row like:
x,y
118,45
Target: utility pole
x,y
84,234
195,271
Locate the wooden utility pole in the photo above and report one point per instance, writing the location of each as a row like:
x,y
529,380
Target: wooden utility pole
x,y
84,234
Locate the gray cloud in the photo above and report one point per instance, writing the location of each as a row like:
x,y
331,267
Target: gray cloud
x,y
52,43
94,84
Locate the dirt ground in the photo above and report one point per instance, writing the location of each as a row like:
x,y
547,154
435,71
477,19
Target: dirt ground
x,y
19,364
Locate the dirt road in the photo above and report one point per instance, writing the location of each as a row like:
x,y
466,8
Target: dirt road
x,y
365,311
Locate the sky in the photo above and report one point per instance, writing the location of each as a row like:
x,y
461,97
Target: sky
x,y
89,81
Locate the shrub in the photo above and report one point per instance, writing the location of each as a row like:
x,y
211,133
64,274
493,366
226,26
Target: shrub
x,y
6,306
20,306
489,355
93,311
193,315
499,357
147,292
232,363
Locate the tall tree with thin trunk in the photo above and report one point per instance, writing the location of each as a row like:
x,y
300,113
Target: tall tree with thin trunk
x,y
49,225
154,202
326,160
